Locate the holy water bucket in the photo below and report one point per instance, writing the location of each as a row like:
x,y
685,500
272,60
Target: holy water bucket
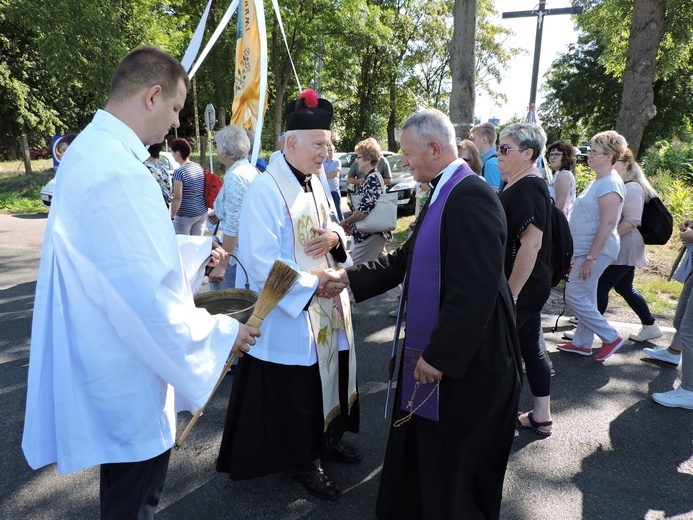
x,y
237,303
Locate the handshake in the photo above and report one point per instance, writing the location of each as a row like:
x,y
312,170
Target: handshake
x,y
331,283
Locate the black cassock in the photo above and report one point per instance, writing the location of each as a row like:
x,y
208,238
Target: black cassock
x,y
454,468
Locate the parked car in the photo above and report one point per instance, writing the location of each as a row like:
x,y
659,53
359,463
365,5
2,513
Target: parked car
x,y
37,152
346,160
403,184
581,154
47,191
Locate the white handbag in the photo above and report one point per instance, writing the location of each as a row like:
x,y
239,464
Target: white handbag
x,y
383,216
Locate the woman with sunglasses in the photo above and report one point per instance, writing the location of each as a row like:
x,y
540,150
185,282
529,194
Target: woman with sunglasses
x,y
561,157
619,275
527,206
593,222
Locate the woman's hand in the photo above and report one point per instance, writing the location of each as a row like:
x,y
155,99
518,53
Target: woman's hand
x,y
587,268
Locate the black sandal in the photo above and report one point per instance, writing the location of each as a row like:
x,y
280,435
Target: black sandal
x,y
534,425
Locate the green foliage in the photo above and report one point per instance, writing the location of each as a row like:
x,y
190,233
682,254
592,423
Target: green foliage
x,y
676,194
674,158
583,176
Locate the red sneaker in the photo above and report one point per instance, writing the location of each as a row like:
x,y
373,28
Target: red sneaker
x,y
608,349
569,347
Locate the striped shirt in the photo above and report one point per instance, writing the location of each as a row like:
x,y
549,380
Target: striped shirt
x,y
192,177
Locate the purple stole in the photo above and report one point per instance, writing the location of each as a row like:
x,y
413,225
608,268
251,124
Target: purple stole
x,y
423,301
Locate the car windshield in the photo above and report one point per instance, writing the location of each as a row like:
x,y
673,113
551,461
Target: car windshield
x,y
396,164
347,159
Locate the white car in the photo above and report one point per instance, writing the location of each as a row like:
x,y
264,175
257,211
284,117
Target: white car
x,y
46,193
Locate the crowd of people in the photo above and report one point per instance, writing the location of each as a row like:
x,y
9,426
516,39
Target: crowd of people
x,y
118,346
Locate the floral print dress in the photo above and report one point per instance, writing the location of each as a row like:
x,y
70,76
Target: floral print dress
x,y
370,190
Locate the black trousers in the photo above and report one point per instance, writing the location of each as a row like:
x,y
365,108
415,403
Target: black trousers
x,y
132,490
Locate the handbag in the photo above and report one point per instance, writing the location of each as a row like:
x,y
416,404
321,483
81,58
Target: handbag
x,y
383,216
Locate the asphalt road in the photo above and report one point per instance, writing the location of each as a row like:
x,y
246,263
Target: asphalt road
x,y
615,454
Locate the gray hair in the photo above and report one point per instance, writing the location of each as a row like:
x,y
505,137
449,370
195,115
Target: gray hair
x,y
233,142
526,136
431,125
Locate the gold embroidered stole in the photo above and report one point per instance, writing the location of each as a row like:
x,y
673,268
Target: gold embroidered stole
x,y
328,317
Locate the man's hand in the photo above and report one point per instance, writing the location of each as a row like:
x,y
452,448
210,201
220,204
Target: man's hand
x,y
331,283
213,218
425,373
246,337
322,243
685,224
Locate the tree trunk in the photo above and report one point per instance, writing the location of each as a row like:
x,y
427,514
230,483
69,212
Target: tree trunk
x,y
392,144
637,106
463,66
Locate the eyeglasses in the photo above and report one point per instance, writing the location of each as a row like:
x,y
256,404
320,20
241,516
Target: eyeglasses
x,y
359,156
553,155
623,160
592,152
504,150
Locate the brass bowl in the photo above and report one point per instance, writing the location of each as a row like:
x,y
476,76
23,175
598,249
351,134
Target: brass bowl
x,y
237,303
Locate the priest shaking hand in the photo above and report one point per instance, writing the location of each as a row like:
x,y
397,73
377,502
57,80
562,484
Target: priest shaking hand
x,y
459,375
295,395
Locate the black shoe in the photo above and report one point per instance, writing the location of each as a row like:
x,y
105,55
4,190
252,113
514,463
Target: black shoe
x,y
346,453
318,484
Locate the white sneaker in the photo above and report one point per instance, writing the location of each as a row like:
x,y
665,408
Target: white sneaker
x,y
678,398
663,354
573,320
569,334
392,314
646,333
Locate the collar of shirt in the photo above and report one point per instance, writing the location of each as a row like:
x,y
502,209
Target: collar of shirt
x,y
129,137
303,179
443,177
488,154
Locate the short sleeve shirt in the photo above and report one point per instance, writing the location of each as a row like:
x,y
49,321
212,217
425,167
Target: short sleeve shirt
x,y
586,216
527,202
330,166
192,176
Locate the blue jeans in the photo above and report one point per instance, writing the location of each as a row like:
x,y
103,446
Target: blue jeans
x,y
338,204
620,278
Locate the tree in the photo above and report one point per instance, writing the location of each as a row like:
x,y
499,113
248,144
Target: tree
x,y
26,89
588,96
637,107
462,67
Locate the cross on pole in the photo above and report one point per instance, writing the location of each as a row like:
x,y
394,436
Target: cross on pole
x,y
539,12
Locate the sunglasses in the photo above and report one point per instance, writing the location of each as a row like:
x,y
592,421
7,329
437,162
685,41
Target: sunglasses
x,y
503,149
556,154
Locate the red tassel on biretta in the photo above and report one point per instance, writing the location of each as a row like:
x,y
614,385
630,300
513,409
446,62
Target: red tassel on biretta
x,y
310,98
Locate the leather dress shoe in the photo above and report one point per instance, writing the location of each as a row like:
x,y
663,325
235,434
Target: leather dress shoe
x,y
318,484
346,453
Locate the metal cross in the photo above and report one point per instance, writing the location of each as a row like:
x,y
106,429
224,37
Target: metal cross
x,y
539,12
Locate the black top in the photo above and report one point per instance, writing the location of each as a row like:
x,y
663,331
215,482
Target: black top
x,y
528,202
